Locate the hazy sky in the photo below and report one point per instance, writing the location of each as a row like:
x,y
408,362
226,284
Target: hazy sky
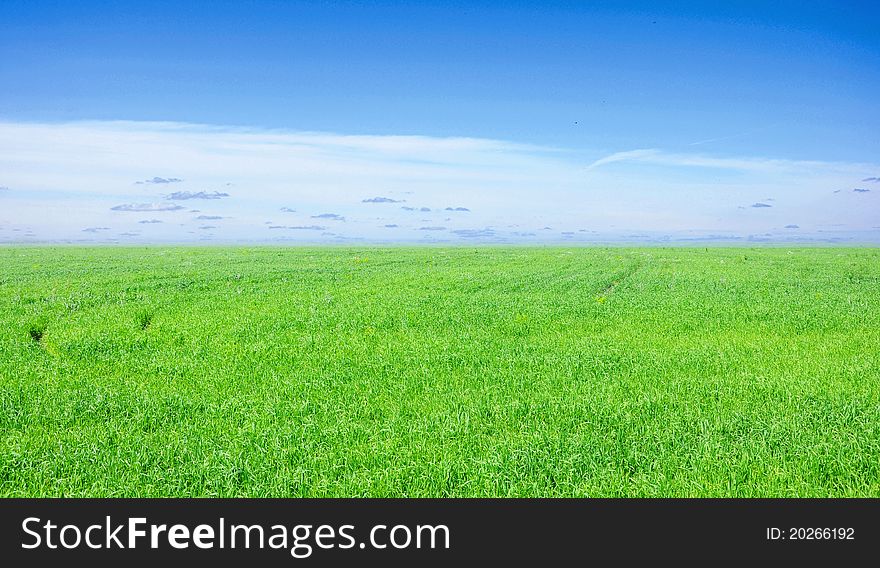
x,y
454,121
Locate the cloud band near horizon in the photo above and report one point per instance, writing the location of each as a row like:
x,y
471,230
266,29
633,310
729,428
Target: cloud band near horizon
x,y
64,178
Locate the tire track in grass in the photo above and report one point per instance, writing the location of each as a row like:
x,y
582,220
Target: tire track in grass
x,y
619,278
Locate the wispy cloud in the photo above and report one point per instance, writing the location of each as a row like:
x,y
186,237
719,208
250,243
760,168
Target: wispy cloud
x,y
875,179
383,200
457,209
184,195
732,136
474,233
95,229
209,217
159,180
149,221
749,164
300,227
141,207
861,190
331,216
629,156
432,228
760,205
69,176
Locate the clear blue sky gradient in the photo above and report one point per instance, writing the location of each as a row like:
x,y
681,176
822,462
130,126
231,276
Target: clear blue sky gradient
x,y
797,80
740,120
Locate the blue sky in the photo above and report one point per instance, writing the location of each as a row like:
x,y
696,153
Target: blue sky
x,y
616,121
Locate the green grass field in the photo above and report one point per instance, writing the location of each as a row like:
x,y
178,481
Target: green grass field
x,y
439,372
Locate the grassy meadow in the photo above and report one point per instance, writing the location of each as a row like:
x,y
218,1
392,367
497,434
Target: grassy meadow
x,y
199,371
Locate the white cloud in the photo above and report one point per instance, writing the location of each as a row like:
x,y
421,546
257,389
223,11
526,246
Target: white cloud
x,y
629,156
747,164
140,207
70,175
